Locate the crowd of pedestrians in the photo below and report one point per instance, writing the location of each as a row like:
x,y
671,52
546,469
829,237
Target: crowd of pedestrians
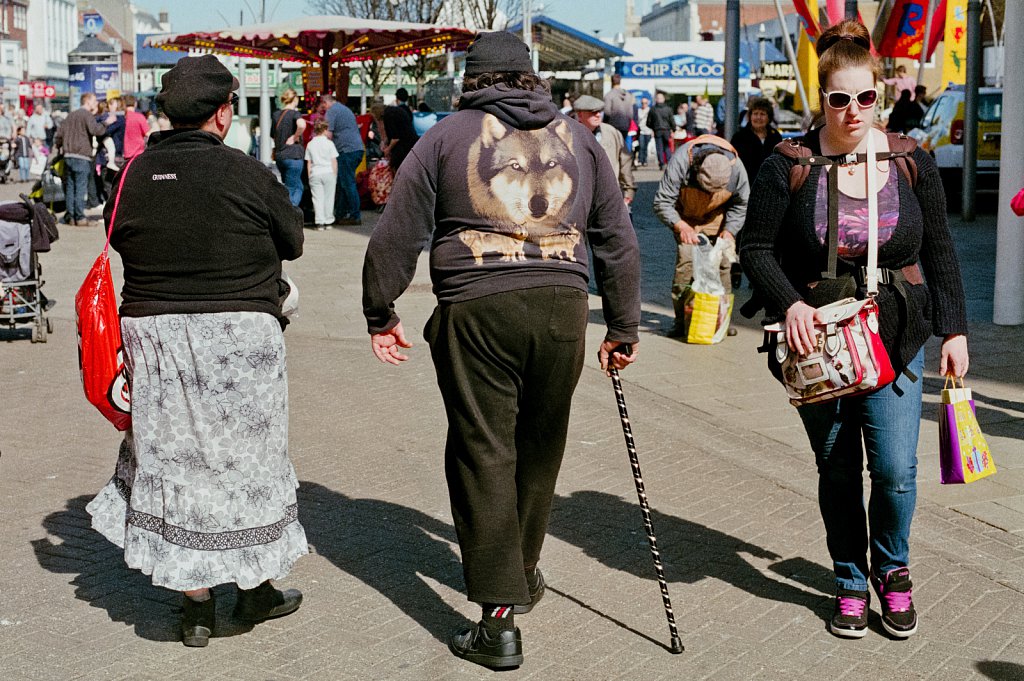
x,y
90,145
25,138
520,206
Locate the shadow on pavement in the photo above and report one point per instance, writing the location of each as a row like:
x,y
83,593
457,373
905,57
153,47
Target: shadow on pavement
x,y
8,335
387,547
1001,671
102,579
610,530
798,569
650,322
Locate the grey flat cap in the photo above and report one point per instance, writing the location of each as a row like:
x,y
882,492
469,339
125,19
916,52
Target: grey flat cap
x,y
588,103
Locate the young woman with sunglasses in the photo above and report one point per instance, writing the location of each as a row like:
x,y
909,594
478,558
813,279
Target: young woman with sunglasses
x,y
784,254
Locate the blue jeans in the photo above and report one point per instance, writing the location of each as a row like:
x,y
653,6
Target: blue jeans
x,y
661,146
76,184
641,151
24,163
291,175
346,198
889,423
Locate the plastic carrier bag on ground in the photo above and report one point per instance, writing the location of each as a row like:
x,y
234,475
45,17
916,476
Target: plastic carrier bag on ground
x,y
707,308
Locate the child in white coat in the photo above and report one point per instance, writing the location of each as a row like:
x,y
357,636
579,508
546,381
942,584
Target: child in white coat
x,y
322,168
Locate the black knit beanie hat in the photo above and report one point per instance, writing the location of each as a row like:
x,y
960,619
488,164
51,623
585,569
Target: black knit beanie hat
x,y
500,52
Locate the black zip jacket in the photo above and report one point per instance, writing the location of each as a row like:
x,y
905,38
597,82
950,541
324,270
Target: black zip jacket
x,y
660,118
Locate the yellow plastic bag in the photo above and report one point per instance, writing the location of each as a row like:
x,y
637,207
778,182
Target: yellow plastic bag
x,y
706,317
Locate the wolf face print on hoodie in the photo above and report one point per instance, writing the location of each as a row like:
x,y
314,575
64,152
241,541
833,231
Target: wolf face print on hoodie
x,y
505,192
524,182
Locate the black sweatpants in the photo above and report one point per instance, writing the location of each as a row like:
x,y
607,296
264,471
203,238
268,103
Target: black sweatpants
x,y
507,365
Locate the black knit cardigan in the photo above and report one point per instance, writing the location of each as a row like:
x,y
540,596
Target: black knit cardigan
x,y
781,253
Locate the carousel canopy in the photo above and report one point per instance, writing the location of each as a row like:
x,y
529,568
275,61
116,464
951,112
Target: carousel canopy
x,y
313,40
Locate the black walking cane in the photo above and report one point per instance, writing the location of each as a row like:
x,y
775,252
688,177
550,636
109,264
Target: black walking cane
x,y
676,646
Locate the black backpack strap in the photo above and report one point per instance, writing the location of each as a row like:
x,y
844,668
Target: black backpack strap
x,y
832,243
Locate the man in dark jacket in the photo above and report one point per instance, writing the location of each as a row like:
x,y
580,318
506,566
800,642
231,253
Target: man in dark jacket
x,y
399,129
75,139
660,121
505,191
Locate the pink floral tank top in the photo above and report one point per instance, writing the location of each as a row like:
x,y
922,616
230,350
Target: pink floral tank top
x,y
853,216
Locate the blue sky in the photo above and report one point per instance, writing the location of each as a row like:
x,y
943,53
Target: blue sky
x,y
196,15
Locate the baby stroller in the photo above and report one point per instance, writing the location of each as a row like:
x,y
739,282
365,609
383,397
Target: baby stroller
x,y
49,188
7,161
26,229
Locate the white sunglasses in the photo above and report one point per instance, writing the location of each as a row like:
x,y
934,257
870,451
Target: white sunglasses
x,y
840,100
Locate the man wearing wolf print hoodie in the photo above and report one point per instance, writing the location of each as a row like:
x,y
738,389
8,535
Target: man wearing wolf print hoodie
x,y
506,191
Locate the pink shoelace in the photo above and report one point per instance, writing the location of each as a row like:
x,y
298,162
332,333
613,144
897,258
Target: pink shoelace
x,y
851,607
898,601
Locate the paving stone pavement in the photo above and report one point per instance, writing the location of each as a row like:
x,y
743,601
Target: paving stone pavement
x,y
728,472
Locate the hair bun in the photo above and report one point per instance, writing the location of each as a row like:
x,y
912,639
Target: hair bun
x,y
850,30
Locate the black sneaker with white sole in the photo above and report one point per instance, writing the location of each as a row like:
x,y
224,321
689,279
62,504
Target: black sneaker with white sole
x,y
850,618
894,590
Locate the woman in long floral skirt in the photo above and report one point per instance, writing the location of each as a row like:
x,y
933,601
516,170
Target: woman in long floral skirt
x,y
204,491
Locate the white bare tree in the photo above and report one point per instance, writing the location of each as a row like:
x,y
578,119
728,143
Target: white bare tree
x,y
492,15
377,70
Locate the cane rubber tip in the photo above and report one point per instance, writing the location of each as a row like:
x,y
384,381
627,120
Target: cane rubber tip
x,y
677,647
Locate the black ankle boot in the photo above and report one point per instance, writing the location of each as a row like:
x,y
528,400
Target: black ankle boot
x,y
265,602
197,620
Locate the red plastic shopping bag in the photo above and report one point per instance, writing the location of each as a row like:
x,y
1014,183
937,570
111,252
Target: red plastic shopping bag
x,y
100,355
1017,203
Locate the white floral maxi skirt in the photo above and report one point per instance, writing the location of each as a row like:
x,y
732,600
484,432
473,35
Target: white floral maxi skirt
x,y
204,492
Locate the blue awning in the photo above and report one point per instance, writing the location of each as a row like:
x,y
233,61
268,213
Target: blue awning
x,y
153,56
750,53
562,47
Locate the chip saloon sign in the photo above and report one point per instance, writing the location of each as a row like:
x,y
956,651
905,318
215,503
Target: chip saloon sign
x,y
677,66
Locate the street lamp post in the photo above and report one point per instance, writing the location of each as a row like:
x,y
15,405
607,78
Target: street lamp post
x,y
265,137
362,87
243,95
926,46
731,82
971,102
791,54
1008,301
528,23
